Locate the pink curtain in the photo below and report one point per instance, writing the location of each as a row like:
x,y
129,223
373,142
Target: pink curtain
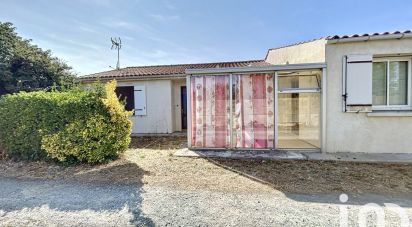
x,y
254,111
210,111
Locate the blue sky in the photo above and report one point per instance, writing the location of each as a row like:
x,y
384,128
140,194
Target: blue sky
x,y
191,31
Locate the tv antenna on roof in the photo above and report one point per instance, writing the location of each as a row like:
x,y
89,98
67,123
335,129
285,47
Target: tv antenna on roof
x,y
117,44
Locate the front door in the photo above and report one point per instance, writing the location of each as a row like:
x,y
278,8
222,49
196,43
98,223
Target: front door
x,y
184,106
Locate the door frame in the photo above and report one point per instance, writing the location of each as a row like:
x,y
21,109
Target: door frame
x,y
322,111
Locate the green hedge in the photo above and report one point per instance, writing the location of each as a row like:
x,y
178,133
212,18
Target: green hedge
x,y
78,125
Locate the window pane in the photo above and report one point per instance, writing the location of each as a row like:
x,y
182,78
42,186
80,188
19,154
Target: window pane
x,y
126,96
398,84
302,81
379,83
299,120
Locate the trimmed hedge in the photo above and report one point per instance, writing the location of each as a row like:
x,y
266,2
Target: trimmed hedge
x,y
78,125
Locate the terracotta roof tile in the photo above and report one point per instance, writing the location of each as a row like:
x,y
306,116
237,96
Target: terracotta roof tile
x,y
343,37
169,70
367,34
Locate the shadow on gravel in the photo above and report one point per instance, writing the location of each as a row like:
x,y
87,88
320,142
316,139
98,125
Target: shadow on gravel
x,y
102,189
324,181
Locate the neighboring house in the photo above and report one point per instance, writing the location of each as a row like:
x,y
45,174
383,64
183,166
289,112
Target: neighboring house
x,y
334,94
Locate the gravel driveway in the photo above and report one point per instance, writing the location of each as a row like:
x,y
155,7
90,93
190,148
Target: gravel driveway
x,y
150,187
56,203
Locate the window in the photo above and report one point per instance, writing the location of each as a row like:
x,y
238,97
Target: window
x,y
391,84
298,120
126,96
293,82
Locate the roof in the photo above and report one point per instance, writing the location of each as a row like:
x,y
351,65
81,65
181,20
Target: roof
x,y
168,70
361,37
367,34
334,37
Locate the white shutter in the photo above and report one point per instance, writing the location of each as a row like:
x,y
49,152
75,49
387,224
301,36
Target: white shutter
x,y
140,100
358,83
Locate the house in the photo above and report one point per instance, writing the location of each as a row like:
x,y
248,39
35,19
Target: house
x,y
158,93
347,93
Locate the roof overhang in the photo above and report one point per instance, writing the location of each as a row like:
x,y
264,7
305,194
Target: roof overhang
x,y
254,69
131,78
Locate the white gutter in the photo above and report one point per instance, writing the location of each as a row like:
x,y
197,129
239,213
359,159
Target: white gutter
x,y
251,69
371,37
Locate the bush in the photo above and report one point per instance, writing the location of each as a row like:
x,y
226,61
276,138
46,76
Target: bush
x,y
71,126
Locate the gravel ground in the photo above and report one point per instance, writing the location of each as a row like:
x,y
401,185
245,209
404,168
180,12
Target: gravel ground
x,y
171,207
148,186
38,202
61,203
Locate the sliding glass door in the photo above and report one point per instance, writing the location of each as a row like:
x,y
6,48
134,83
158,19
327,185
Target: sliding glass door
x,y
245,111
299,110
210,111
253,112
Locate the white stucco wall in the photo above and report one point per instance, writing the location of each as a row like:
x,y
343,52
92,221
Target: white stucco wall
x,y
351,132
158,118
358,132
308,52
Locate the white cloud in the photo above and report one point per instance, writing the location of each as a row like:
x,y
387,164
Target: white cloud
x,y
125,25
158,54
56,40
126,37
121,24
86,27
164,18
102,3
169,5
167,42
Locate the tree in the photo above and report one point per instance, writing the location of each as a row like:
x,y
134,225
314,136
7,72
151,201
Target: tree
x,y
26,67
